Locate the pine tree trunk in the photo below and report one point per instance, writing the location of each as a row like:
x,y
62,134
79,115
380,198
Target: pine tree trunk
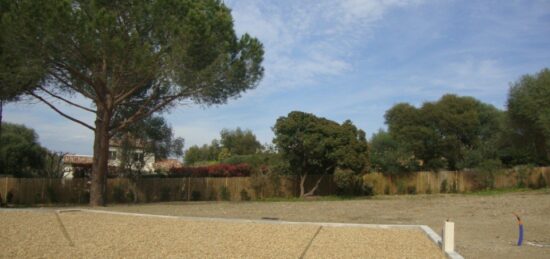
x,y
100,160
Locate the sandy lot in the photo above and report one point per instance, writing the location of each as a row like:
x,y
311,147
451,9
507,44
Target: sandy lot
x,y
43,234
484,225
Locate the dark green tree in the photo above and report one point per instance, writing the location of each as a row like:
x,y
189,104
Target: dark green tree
x,y
151,136
529,112
314,145
239,142
387,156
20,152
150,55
453,133
203,154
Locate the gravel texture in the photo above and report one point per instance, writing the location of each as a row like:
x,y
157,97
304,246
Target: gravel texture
x,y
39,234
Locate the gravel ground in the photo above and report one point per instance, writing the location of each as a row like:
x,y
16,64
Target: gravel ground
x,y
40,233
484,225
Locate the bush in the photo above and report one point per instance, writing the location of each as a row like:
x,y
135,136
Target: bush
x,y
443,186
165,193
225,194
218,170
523,172
429,190
541,182
401,188
485,173
9,197
244,195
213,195
52,195
348,182
195,196
118,194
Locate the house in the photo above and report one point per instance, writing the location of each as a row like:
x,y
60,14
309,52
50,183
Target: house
x,y
138,160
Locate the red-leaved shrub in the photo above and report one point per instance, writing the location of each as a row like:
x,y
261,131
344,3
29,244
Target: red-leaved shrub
x,y
219,170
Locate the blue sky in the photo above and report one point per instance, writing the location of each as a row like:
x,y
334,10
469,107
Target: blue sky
x,y
351,59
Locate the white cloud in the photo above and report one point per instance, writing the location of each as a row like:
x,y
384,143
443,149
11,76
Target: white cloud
x,y
306,41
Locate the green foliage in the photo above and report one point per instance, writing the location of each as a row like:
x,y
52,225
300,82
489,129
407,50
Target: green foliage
x,y
52,195
240,142
485,173
225,194
195,196
316,145
541,182
119,194
388,157
154,136
129,58
529,114
244,195
443,188
213,195
401,187
522,174
452,133
165,193
20,153
348,182
195,154
224,154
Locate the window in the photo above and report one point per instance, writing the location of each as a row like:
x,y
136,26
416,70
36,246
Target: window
x,y
112,155
138,157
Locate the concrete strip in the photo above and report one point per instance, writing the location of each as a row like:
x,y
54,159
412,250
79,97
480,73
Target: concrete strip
x,y
427,230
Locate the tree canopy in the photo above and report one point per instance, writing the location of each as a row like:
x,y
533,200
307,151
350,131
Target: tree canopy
x,y
20,153
314,145
137,56
529,112
239,142
445,134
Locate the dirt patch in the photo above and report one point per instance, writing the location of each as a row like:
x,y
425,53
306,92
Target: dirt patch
x,y
484,225
30,234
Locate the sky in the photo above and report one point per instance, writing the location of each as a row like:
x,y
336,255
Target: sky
x,y
349,59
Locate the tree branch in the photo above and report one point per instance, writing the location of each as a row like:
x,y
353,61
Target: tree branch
x,y
61,113
141,113
65,82
67,101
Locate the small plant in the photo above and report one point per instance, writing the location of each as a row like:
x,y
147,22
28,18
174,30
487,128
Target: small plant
x,y
165,193
387,190
213,195
195,196
401,188
368,189
225,194
541,182
443,186
52,195
348,182
118,194
429,190
244,195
